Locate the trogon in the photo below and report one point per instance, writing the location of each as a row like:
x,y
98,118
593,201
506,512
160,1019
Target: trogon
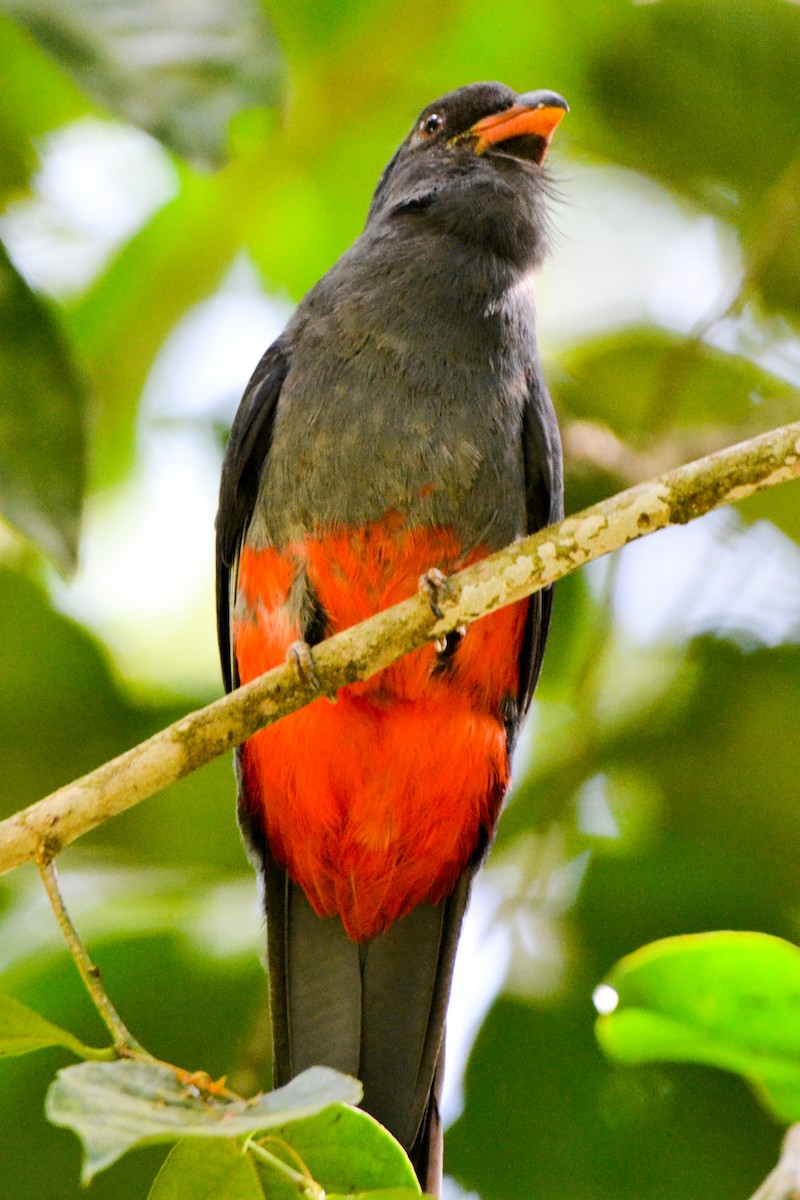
x,y
399,427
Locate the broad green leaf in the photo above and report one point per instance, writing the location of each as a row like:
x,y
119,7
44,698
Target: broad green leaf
x,y
344,1149
56,675
179,71
115,1106
729,1000
175,991
312,30
675,93
675,89
781,505
716,738
379,1194
643,379
177,260
35,98
547,1116
22,1030
202,1169
778,275
42,423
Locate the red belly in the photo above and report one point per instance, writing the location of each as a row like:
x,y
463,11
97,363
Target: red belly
x,y
376,803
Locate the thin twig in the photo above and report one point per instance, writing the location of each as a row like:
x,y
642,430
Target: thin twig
x,y
503,578
304,1182
125,1043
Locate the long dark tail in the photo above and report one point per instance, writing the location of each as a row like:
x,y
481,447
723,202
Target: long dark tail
x,y
374,1009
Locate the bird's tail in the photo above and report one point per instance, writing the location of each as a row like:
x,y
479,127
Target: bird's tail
x,y
374,1009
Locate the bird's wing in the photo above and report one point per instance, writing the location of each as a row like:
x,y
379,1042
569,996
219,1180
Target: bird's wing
x,y
376,1009
544,488
246,453
314,968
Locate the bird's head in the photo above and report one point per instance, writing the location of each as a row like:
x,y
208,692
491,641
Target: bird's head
x,y
472,167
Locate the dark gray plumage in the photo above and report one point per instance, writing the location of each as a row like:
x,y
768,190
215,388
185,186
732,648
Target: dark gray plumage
x,y
413,360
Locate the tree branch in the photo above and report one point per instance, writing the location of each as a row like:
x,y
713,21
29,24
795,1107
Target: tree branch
x,y
505,577
124,1041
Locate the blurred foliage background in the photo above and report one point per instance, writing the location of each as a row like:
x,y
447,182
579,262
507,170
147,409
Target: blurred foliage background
x,y
174,176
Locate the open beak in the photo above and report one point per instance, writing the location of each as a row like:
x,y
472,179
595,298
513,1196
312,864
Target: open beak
x,y
534,117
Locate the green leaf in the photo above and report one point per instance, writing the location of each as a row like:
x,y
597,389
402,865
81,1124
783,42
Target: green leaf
x,y
781,505
645,377
22,1030
672,95
180,71
56,675
345,1150
42,423
671,77
314,29
777,276
115,1106
380,1194
729,1000
177,260
547,1116
200,1169
709,736
35,98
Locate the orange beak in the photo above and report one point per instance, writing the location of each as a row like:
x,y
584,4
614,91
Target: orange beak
x,y
535,113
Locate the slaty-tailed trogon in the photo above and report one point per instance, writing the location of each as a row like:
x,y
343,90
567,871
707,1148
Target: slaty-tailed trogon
x,y
399,424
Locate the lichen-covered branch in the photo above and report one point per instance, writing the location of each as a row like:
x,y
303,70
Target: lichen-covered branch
x,y
124,1041
509,575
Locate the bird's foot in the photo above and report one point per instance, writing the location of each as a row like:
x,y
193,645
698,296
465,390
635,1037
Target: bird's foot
x,y
434,586
299,654
447,645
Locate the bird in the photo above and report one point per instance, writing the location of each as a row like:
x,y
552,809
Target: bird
x,y
398,429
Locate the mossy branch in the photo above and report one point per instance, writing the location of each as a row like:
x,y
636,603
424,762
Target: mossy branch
x,y
674,498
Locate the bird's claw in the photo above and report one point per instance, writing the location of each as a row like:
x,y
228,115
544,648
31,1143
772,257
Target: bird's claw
x,y
449,641
299,653
434,586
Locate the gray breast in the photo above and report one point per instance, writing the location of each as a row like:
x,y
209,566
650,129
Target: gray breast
x,y
380,412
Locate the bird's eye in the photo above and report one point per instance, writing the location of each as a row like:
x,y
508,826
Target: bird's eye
x,y
431,125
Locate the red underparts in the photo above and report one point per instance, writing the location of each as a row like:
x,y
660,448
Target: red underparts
x,y
376,803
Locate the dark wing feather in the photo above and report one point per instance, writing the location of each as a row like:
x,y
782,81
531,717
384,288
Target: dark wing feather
x,y
314,968
315,982
246,453
544,488
381,1010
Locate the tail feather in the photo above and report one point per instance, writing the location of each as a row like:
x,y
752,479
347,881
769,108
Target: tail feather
x,y
374,1009
406,984
315,984
427,1152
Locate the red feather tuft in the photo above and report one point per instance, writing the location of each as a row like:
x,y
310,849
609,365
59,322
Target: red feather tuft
x,y
376,803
